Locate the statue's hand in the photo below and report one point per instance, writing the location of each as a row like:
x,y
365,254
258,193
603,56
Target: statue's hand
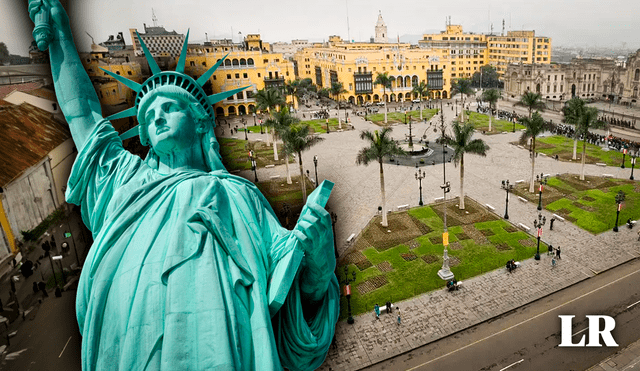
x,y
314,233
51,21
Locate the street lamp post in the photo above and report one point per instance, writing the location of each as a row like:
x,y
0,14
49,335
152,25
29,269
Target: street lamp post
x,y
347,291
507,187
619,199
334,219
420,174
410,134
261,131
542,180
244,123
513,117
624,154
445,272
315,165
327,126
254,166
633,163
538,225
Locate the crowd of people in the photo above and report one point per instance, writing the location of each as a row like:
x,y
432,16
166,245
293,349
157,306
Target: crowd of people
x,y
618,122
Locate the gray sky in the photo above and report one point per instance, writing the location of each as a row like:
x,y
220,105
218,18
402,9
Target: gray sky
x,y
567,22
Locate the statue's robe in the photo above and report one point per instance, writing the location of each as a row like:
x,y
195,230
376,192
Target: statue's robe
x,y
188,271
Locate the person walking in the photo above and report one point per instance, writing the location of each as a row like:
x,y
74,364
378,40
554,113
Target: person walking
x,y
558,253
553,262
399,318
550,252
376,309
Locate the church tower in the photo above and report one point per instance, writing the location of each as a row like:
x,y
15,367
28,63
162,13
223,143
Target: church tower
x,y
381,30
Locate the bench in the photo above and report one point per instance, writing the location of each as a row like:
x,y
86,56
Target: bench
x,y
403,207
490,207
438,198
601,164
558,217
607,175
383,309
350,239
522,199
524,227
520,181
269,166
275,176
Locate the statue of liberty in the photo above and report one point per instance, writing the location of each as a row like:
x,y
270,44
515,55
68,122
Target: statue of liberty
x,y
190,268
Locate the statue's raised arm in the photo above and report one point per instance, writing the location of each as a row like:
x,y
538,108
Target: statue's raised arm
x,y
76,95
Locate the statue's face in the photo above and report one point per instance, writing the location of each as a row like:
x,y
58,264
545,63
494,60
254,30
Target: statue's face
x,y
170,126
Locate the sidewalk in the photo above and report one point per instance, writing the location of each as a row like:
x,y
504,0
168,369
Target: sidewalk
x,y
627,359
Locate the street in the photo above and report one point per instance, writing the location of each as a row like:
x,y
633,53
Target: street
x,y
528,338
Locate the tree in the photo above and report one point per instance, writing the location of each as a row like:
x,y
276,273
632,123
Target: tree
x,y
269,99
534,126
380,145
384,80
4,52
463,87
533,101
336,89
297,140
462,143
491,96
297,88
572,111
280,122
583,118
421,89
488,78
323,93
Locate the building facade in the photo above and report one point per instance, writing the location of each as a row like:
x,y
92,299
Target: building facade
x,y
587,78
470,51
288,50
161,43
356,66
382,36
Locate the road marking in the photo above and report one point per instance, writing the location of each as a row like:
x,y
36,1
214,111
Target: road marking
x,y
523,322
65,347
584,329
513,364
633,304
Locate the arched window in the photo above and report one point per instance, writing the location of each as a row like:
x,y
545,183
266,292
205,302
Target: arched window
x,y
243,62
637,74
227,63
250,61
236,62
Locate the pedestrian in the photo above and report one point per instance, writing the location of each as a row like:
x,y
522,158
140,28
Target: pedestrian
x,y
376,309
399,318
558,253
388,305
550,252
553,262
551,223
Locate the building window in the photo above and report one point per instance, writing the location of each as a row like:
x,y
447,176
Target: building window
x,y
228,76
237,75
244,75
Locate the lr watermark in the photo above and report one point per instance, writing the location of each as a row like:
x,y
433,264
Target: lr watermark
x,y
595,333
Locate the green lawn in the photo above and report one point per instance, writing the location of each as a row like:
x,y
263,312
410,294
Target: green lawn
x,y
481,123
320,125
563,147
398,117
474,248
235,154
592,206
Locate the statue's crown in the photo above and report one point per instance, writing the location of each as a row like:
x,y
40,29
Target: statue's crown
x,y
175,78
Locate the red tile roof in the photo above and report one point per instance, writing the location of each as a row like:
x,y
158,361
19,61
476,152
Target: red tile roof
x,y
29,86
27,135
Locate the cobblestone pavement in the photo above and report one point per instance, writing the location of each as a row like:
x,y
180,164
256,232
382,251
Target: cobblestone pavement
x,y
436,314
627,359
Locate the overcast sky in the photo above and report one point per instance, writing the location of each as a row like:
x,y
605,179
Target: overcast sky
x,y
567,22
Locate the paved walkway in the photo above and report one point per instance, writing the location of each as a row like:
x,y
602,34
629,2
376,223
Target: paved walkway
x,y
437,314
627,359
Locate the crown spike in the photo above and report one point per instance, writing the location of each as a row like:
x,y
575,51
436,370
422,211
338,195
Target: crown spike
x,y
203,79
215,98
183,54
152,62
130,133
123,80
129,112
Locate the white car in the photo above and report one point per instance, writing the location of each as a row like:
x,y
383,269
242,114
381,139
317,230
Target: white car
x,y
380,103
416,101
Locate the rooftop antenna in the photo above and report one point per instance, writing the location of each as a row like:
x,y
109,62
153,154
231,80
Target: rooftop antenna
x,y
154,18
206,37
502,27
491,28
346,2
93,42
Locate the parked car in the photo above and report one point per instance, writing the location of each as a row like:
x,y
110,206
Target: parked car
x,y
380,104
416,101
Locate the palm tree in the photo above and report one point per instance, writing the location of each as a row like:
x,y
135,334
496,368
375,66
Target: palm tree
x,y
462,143
421,89
384,80
533,101
534,126
380,145
280,122
572,111
336,89
491,96
297,88
269,99
297,140
583,118
463,87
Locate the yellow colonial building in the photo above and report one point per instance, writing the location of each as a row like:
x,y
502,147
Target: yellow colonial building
x,y
356,66
247,64
470,51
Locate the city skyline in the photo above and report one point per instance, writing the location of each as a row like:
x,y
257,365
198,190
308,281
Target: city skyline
x,y
578,23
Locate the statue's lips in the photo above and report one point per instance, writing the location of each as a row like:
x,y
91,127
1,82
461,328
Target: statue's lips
x,y
161,130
